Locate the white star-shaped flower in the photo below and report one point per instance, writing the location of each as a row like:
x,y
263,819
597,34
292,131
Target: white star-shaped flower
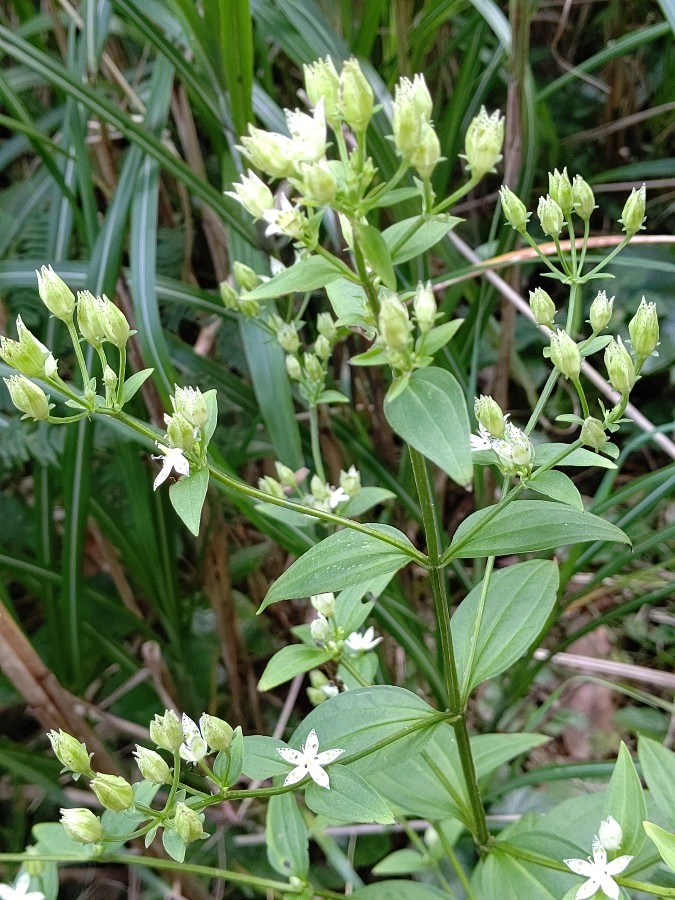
x,y
173,459
194,747
308,761
20,890
337,496
357,642
599,872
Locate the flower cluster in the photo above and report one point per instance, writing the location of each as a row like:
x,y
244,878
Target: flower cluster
x,y
597,870
514,450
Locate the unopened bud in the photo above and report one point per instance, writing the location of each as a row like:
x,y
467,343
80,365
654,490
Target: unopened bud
x,y
269,485
109,378
356,96
601,312
412,110
253,194
55,294
324,604
350,481
610,834
27,355
179,431
394,324
216,732
644,330
326,326
71,753
272,153
323,83
248,306
286,475
514,209
565,354
113,792
427,153
322,348
633,214
583,198
318,182
542,306
90,318
166,731
550,216
287,335
593,433
82,825
620,367
188,824
320,628
244,275
424,304
28,397
228,295
191,403
293,368
483,143
151,766
115,324
489,413
319,489
313,367
560,189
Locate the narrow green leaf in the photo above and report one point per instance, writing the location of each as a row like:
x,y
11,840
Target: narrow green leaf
x,y
625,801
400,890
545,453
134,384
307,274
438,337
430,414
286,837
349,799
341,560
402,862
366,498
236,57
413,237
374,248
289,662
528,525
187,498
665,843
658,769
557,486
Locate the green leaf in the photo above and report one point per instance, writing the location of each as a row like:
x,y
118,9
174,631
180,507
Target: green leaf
x,y
665,843
557,486
286,837
438,337
133,384
366,498
400,890
350,305
528,525
342,560
289,516
289,662
187,497
658,770
625,801
227,765
51,838
211,400
402,862
174,845
413,237
517,606
332,397
545,453
307,274
505,877
374,248
349,799
261,759
430,414
376,356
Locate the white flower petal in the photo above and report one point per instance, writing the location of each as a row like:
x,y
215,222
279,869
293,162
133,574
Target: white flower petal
x,y
311,745
580,866
296,775
618,865
599,854
610,887
318,774
289,755
588,889
328,756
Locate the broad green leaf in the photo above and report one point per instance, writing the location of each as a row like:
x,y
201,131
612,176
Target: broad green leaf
x,y
557,486
505,877
438,337
51,838
400,890
375,356
350,304
187,497
528,525
366,498
665,843
286,837
413,237
658,770
134,383
517,606
625,801
174,845
545,453
376,252
364,665
342,560
307,274
289,662
402,862
430,414
349,799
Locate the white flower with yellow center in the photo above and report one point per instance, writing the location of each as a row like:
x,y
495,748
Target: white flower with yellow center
x,y
308,761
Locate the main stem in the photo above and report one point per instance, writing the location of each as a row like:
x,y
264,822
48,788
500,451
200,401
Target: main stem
x,y
442,609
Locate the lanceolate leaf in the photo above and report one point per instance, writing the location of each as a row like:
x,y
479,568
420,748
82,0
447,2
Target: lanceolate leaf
x,y
286,835
625,801
305,275
658,770
665,843
289,661
187,497
412,237
350,798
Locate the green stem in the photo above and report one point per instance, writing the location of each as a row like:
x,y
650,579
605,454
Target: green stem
x,y
610,256
582,397
356,675
457,195
74,337
442,609
316,445
366,283
454,861
121,374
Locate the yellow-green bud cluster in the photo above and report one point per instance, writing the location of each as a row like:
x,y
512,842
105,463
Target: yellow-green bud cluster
x,y
542,306
483,143
188,824
565,354
28,398
550,216
644,330
633,214
601,312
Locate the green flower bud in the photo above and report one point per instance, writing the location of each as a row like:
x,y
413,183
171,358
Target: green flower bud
x,y
272,153
245,277
82,825
55,294
188,824
286,475
489,413
313,367
115,324
248,307
601,312
644,330
424,304
317,182
191,403
287,335
560,189
326,326
113,792
324,604
166,731
216,732
620,367
228,295
179,432
253,194
322,347
71,753
412,110
593,433
323,83
90,318
483,143
356,96
514,209
583,198
270,486
394,324
633,214
28,397
109,378
27,355
151,766
565,354
550,216
515,450
293,368
543,308
319,489
321,688
319,628
610,834
350,481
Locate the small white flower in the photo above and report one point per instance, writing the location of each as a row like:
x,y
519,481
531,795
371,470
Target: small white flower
x,y
308,761
337,496
599,872
287,221
20,890
308,133
194,747
173,459
358,643
483,440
